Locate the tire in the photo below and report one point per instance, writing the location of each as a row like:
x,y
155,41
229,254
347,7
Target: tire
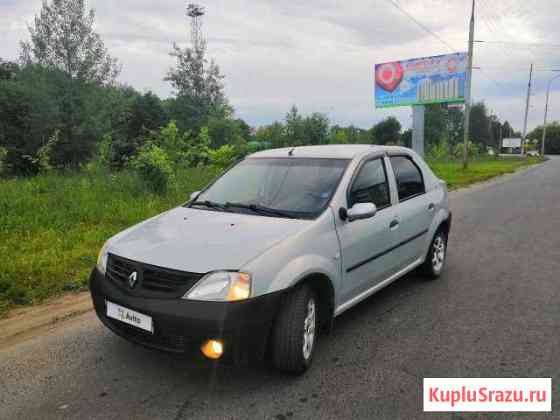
x,y
298,317
437,254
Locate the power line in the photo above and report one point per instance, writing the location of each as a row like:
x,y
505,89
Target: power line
x,y
496,20
439,38
421,25
521,44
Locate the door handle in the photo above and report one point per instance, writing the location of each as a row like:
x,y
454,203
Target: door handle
x,y
394,224
431,207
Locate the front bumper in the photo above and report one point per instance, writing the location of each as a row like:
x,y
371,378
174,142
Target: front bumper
x,y
182,326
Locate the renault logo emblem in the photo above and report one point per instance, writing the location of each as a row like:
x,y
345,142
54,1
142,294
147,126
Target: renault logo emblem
x,y
132,279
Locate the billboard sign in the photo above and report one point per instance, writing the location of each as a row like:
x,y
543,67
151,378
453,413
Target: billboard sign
x,y
512,142
420,81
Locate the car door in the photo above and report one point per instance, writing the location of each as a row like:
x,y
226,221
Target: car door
x,y
365,244
414,210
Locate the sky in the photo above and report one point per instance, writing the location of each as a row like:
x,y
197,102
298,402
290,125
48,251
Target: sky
x,y
320,54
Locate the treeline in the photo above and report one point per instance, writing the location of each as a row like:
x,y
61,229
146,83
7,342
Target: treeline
x,y
61,107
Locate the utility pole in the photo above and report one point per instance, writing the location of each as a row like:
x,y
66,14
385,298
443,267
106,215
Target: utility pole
x,y
524,138
468,92
546,112
501,140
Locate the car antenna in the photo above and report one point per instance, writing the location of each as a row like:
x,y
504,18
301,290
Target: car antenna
x,y
291,152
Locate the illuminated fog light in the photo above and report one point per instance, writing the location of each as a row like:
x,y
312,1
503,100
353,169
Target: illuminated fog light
x,y
212,349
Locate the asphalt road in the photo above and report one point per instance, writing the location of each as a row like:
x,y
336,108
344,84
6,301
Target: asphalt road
x,y
494,313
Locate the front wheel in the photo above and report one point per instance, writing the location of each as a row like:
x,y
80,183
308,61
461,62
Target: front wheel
x,y
435,260
295,331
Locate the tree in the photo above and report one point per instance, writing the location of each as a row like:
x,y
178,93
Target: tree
x,y
386,132
507,130
338,135
456,121
197,83
480,126
316,129
8,70
272,135
224,131
495,128
294,131
435,128
63,37
552,143
146,114
246,130
30,112
406,138
130,119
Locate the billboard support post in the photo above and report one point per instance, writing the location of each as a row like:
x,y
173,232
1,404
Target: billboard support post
x,y
418,112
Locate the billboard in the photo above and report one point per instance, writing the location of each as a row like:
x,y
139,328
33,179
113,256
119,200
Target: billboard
x,y
511,142
428,80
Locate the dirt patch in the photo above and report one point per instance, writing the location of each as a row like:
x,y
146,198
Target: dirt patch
x,y
23,323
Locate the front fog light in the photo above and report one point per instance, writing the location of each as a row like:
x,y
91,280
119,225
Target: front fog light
x,y
221,286
213,349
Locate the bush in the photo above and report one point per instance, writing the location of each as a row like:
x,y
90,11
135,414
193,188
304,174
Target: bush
x,y
199,147
439,151
183,149
154,167
43,159
223,157
473,151
104,155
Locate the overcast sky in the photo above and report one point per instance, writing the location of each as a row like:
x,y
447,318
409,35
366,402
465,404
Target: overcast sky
x,y
320,54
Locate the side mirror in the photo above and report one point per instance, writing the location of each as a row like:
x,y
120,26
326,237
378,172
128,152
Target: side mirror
x,y
361,211
195,195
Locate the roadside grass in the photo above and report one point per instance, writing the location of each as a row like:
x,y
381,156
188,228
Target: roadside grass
x,y
52,226
478,170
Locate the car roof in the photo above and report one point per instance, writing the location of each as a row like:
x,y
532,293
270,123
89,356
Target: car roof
x,y
334,151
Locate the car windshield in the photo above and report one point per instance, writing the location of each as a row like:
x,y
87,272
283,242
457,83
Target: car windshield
x,y
290,187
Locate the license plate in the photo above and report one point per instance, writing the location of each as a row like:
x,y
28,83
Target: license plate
x,y
129,316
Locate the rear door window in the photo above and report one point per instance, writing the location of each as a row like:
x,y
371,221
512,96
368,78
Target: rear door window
x,y
410,182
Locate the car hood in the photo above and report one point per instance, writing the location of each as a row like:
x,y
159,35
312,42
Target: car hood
x,y
200,241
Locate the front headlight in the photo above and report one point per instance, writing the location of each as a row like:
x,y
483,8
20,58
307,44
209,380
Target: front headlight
x,y
221,286
102,258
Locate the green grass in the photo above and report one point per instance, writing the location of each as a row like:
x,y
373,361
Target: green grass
x,y
52,226
479,170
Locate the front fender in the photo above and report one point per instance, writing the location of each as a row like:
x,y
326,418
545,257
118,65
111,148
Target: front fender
x,y
314,250
305,266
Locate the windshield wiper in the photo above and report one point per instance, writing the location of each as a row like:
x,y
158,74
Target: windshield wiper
x,y
261,209
209,204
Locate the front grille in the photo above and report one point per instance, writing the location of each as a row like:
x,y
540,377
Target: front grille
x,y
152,281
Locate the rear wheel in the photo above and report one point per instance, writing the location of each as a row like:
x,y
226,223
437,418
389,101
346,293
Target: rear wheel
x,y
295,331
435,260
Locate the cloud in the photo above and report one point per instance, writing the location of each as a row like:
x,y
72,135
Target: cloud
x,y
319,54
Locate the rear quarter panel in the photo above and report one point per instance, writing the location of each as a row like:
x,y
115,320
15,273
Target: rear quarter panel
x,y
438,195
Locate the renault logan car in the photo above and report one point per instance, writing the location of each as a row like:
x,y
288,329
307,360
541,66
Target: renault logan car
x,y
272,251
